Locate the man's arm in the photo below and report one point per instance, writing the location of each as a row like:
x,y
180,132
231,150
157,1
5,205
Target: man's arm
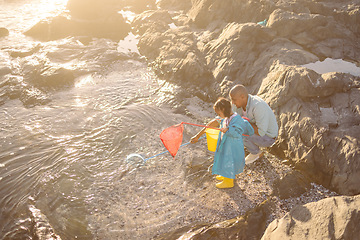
x,y
261,120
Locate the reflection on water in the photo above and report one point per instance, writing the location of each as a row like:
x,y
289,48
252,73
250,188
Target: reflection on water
x,y
129,44
59,156
128,15
334,65
84,80
20,15
63,169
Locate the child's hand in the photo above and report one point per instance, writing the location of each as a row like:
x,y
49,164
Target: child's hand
x,y
194,139
224,130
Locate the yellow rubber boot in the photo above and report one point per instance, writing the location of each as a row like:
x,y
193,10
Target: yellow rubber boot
x,y
226,183
220,178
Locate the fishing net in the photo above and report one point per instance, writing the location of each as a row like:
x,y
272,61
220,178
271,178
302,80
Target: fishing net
x,y
172,138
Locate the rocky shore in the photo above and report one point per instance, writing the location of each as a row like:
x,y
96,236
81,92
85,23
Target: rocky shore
x,y
318,113
206,47
264,46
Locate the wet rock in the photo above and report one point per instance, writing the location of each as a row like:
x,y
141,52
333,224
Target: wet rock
x,y
34,80
112,26
31,96
41,73
331,218
25,53
249,226
4,70
54,78
3,32
293,184
158,20
51,29
5,66
10,87
14,87
42,228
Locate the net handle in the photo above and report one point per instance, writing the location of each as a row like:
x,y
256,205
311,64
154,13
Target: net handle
x,y
198,125
206,127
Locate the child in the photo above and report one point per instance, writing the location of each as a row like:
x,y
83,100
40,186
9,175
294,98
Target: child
x,y
229,157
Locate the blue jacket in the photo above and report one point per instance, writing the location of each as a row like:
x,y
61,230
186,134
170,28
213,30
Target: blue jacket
x,y
229,157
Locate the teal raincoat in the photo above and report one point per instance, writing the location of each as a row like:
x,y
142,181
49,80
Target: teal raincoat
x,y
229,157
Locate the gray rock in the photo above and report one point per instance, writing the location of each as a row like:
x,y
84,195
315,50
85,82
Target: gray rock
x,y
112,26
318,114
331,218
174,54
248,226
321,34
293,184
3,32
42,228
236,48
328,116
151,19
204,12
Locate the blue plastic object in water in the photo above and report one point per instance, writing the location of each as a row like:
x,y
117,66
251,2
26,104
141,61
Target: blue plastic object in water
x,y
135,155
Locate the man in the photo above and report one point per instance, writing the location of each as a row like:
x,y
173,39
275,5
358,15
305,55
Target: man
x,y
262,119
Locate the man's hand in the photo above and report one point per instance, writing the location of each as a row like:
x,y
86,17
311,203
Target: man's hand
x,y
224,130
256,130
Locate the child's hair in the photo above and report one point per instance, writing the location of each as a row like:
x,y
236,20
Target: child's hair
x,y
223,105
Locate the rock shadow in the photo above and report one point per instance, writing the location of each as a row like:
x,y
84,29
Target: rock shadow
x,y
301,213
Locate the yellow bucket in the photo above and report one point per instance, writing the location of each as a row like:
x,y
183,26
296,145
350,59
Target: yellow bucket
x,y
211,138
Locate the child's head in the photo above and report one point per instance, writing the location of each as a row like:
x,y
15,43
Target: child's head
x,y
223,107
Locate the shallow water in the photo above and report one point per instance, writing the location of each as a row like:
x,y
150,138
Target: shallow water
x,y
53,155
68,159
63,164
334,65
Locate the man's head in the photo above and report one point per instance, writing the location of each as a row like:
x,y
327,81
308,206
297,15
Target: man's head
x,y
239,96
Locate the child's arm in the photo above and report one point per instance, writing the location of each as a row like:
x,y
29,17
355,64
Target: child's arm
x,y
213,123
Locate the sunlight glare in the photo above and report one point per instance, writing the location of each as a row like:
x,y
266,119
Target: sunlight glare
x,y
52,5
127,15
79,102
84,80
